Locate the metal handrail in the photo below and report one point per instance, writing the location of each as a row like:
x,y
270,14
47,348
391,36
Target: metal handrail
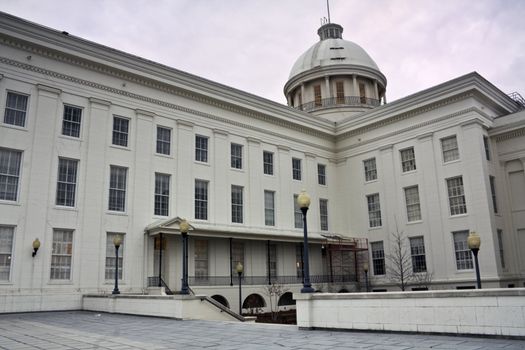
x,y
353,101
154,282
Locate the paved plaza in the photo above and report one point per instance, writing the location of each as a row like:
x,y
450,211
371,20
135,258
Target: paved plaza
x,y
90,330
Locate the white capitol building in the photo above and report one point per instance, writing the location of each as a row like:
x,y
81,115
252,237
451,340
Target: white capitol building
x,y
96,143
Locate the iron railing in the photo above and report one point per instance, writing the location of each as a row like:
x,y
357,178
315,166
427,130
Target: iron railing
x,y
263,280
353,101
518,99
154,282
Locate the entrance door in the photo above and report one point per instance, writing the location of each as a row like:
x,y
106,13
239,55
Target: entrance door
x,y
157,256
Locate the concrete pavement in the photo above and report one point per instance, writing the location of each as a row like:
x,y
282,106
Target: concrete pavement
x,y
89,330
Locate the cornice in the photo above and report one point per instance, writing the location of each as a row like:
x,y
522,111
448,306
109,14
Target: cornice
x,y
510,135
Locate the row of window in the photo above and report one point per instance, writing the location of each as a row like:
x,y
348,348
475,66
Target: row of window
x,y
61,254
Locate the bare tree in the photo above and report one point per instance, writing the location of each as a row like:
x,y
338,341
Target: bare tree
x,y
274,293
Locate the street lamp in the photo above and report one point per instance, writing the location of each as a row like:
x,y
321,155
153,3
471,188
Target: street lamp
x,y
239,268
184,227
36,245
117,241
303,200
365,269
473,242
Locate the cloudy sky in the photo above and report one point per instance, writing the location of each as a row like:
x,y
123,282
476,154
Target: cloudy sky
x,y
252,44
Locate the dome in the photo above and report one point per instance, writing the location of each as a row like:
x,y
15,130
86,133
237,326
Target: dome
x,y
331,52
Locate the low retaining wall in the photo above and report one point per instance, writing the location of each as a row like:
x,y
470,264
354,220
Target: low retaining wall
x,y
483,312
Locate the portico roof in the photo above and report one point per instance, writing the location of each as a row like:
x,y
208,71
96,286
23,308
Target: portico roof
x,y
170,226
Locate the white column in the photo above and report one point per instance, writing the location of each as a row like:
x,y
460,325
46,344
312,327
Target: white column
x,y
376,89
354,82
327,85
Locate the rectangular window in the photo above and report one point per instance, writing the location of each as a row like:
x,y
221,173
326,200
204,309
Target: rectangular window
x,y
163,140
456,196
362,93
378,258
66,182
417,251
323,214
500,246
341,264
9,174
201,200
269,208
237,204
299,260
117,188
268,162
374,210
463,254
201,259
6,251
412,202
492,181
237,255
111,257
236,156
321,174
61,255
120,131
201,148
370,169
340,92
15,109
408,159
317,96
71,121
449,146
162,194
298,215
487,147
272,263
296,168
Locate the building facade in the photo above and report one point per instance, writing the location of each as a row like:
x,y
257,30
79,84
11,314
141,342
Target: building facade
x,y
96,142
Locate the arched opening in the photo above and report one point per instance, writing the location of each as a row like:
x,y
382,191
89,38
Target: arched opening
x,y
220,299
343,291
286,299
253,301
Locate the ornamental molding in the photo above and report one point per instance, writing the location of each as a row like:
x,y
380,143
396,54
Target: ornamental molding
x,y
510,135
172,106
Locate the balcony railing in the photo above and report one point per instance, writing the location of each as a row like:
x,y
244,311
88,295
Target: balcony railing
x,y
263,280
346,101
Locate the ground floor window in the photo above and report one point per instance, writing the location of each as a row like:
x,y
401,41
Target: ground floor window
x,y
6,250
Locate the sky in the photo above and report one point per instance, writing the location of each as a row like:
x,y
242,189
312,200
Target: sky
x,y
251,45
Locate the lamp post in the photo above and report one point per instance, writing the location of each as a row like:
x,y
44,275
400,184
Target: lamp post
x,y
36,245
303,200
365,269
473,242
239,268
117,241
184,227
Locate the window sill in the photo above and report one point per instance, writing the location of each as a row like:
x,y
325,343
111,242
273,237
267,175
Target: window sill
x,y
371,181
70,138
117,213
7,202
202,163
66,208
458,216
162,155
452,161
375,228
415,222
60,283
465,271
123,148
239,170
409,172
15,127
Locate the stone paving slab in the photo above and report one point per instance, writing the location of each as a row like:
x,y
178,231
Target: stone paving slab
x,y
82,330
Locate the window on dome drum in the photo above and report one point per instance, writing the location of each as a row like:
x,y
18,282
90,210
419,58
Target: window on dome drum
x,y
449,146
370,169
15,109
117,188
362,93
299,260
111,256
237,255
297,213
296,169
492,181
120,131
456,196
321,174
317,96
237,204
378,258
201,148
269,208
162,194
340,92
268,162
201,259
6,251
323,214
9,174
163,140
417,251
374,210
463,254
236,156
412,203
71,121
201,200
408,159
66,182
272,261
500,246
487,147
61,255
